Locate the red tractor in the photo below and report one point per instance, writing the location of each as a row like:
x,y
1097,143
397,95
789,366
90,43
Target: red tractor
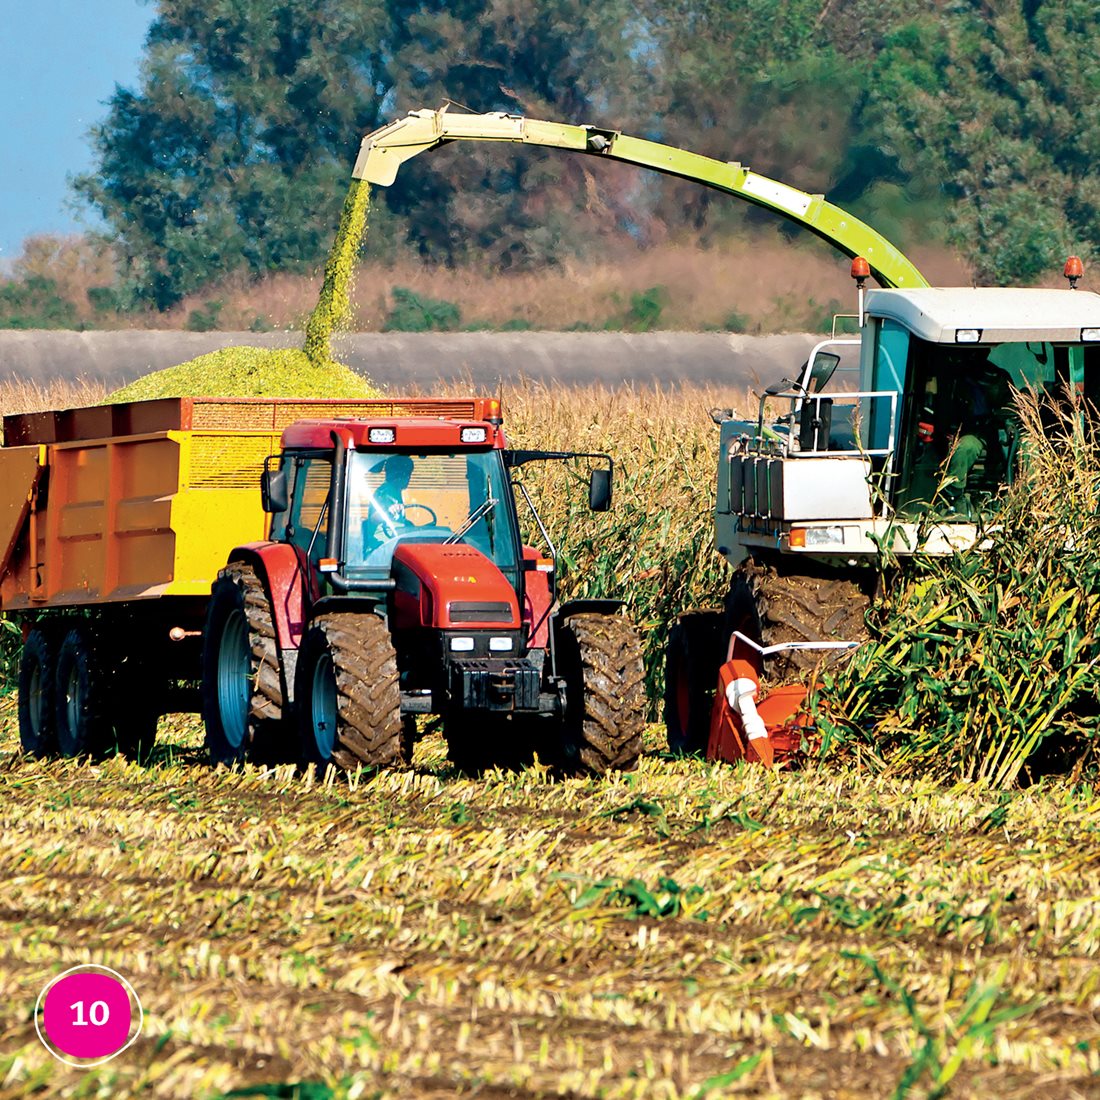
x,y
394,584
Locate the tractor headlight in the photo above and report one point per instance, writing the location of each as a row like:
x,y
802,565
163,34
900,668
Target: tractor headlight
x,y
1089,335
472,435
382,435
968,335
462,645
500,645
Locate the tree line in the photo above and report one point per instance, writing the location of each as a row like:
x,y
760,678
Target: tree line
x,y
959,121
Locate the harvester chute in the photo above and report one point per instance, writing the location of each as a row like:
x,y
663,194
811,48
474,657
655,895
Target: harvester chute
x,y
384,151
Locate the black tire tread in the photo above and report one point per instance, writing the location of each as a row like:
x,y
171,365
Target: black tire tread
x,y
607,722
370,732
806,607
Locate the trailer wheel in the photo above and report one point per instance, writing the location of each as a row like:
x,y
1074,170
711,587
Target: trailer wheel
x,y
242,696
600,657
693,654
348,698
80,697
37,679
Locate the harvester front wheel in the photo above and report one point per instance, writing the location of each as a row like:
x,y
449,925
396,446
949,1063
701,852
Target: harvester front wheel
x,y
693,654
37,676
80,696
347,693
811,605
600,658
242,695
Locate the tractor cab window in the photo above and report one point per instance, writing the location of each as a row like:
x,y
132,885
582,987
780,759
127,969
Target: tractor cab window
x,y
430,497
305,523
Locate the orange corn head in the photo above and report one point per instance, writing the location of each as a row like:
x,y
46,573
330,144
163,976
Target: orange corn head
x,y
774,729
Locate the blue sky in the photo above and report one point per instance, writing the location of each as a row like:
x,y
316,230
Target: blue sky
x,y
59,62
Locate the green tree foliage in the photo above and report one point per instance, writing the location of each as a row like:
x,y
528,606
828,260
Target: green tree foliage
x,y
1001,105
233,152
558,59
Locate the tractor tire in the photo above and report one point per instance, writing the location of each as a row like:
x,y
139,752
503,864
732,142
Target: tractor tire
x,y
348,697
37,683
80,696
600,658
242,693
809,606
693,654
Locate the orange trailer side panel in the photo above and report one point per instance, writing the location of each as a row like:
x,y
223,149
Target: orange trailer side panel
x,y
133,517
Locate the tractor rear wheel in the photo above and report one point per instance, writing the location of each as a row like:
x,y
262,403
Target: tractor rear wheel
x,y
693,654
80,696
242,694
812,605
37,681
600,657
347,694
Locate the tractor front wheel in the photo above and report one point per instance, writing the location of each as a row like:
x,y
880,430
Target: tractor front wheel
x,y
347,695
600,658
242,698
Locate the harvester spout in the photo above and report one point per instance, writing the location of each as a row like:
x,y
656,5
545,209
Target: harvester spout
x,y
384,151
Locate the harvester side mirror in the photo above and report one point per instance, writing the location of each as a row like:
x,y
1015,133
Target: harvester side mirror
x,y
273,491
782,386
599,490
825,362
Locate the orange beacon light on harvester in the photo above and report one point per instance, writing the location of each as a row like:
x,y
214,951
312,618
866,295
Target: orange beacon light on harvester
x,y
766,731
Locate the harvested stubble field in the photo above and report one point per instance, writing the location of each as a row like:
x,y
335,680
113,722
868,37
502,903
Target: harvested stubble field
x,y
687,930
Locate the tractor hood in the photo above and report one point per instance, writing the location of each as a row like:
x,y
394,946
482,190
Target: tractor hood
x,y
451,586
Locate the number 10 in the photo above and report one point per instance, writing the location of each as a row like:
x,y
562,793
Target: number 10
x,y
98,1014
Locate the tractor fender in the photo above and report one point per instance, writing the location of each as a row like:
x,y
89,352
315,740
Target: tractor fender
x,y
281,568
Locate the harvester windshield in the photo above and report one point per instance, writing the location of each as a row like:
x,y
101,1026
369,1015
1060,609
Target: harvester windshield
x,y
429,497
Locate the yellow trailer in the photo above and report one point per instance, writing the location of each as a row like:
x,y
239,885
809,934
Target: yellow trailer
x,y
114,523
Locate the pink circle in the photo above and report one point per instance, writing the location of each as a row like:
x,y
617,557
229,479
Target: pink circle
x,y
87,1015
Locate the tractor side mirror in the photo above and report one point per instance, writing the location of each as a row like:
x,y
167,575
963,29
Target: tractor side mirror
x,y
273,491
599,490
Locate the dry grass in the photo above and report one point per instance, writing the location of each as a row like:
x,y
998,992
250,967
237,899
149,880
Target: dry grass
x,y
775,286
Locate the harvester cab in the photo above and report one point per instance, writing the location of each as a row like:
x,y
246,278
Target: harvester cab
x,y
399,585
914,455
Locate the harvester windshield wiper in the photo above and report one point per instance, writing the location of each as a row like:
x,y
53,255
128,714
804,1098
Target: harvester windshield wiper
x,y
483,509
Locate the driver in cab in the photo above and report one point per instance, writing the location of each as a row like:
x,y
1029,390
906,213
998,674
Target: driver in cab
x,y
387,506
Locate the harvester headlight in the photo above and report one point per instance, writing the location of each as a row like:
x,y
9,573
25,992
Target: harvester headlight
x,y
382,435
1090,334
968,335
500,645
813,537
462,645
472,435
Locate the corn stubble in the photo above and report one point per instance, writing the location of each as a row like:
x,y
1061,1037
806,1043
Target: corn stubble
x,y
688,930
685,927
